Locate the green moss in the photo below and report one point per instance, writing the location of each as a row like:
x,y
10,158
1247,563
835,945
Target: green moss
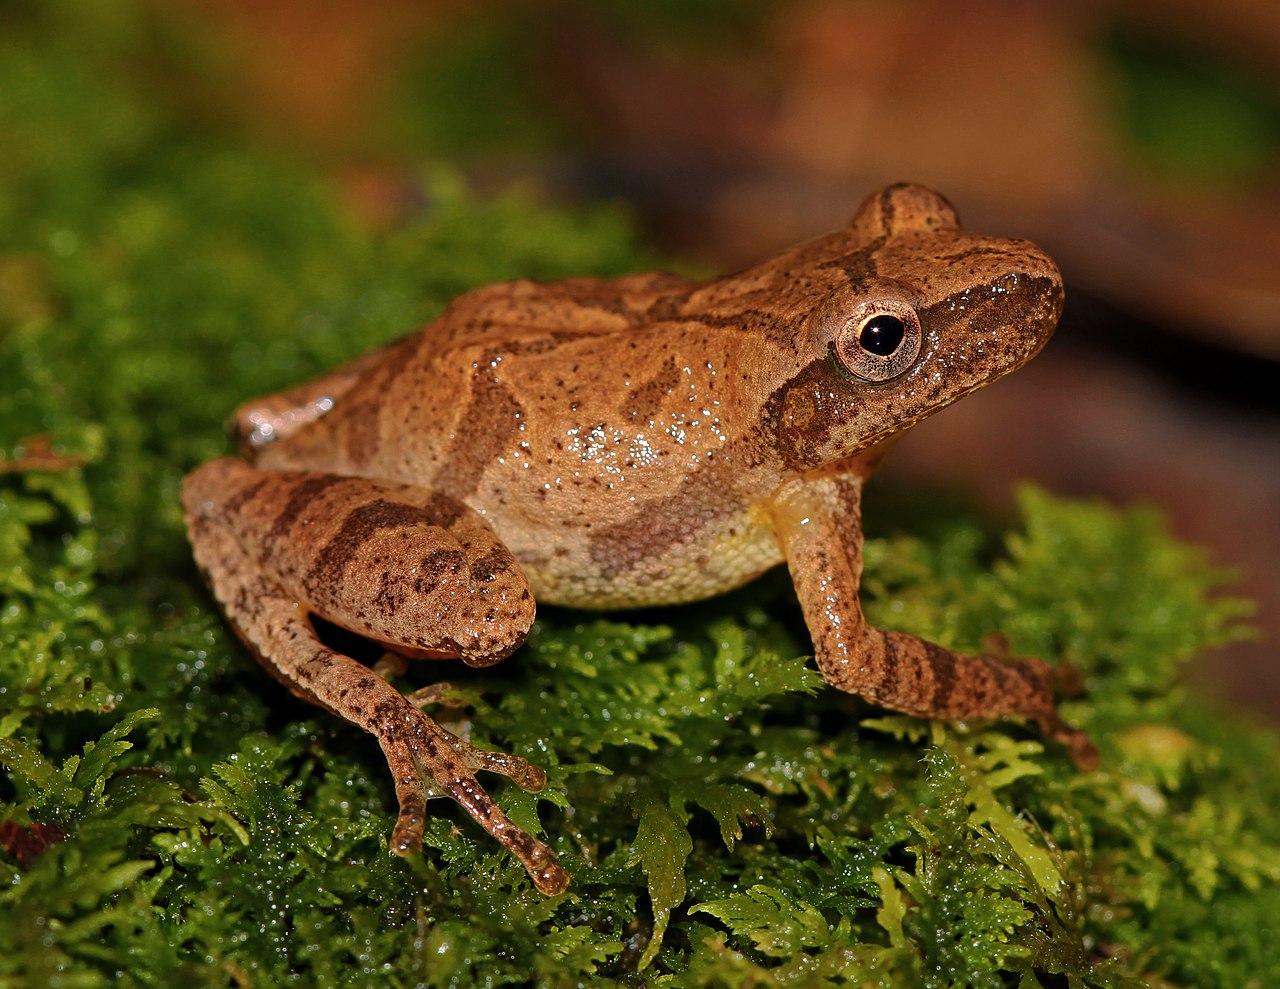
x,y
726,820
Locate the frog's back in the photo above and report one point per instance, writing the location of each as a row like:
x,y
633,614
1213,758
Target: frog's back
x,y
572,307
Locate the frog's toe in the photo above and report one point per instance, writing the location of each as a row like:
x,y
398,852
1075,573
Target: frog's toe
x,y
547,874
390,664
518,769
407,835
436,693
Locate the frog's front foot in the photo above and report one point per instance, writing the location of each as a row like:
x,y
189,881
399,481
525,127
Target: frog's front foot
x,y
429,761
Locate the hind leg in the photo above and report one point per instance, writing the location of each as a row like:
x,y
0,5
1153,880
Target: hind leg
x,y
419,572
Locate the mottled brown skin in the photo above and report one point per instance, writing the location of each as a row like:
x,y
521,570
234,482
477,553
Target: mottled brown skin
x,y
613,443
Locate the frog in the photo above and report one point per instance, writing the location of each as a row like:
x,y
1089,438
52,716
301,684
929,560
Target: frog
x,y
613,443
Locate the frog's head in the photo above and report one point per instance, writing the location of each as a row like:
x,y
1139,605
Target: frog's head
x,y
907,312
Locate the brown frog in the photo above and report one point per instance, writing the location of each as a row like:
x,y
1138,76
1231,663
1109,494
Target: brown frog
x,y
615,443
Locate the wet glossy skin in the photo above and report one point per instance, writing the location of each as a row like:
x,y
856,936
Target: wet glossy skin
x,y
617,443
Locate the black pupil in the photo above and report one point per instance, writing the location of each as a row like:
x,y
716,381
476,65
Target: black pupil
x,y
882,335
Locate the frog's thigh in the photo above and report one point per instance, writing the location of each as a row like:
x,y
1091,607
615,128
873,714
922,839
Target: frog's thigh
x,y
425,760
420,572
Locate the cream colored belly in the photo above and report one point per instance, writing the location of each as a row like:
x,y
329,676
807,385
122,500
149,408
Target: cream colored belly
x,y
683,571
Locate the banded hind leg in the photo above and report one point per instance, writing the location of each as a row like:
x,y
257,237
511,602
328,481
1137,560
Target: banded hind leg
x,y
818,521
416,571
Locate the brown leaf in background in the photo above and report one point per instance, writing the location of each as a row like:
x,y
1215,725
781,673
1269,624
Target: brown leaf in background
x,y
27,843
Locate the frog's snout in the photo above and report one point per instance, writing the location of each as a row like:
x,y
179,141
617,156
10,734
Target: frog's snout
x,y
1014,312
1031,304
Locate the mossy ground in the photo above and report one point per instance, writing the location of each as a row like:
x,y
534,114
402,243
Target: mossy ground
x,y
726,820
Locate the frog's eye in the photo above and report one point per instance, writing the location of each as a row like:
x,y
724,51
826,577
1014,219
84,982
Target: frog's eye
x,y
880,339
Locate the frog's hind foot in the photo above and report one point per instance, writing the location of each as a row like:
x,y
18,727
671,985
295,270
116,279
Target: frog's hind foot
x,y
518,769
428,761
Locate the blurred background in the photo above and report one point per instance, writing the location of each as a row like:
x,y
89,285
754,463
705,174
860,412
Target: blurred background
x,y
1139,143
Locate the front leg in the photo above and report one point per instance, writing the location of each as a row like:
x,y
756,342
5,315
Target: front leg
x,y
419,572
818,520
